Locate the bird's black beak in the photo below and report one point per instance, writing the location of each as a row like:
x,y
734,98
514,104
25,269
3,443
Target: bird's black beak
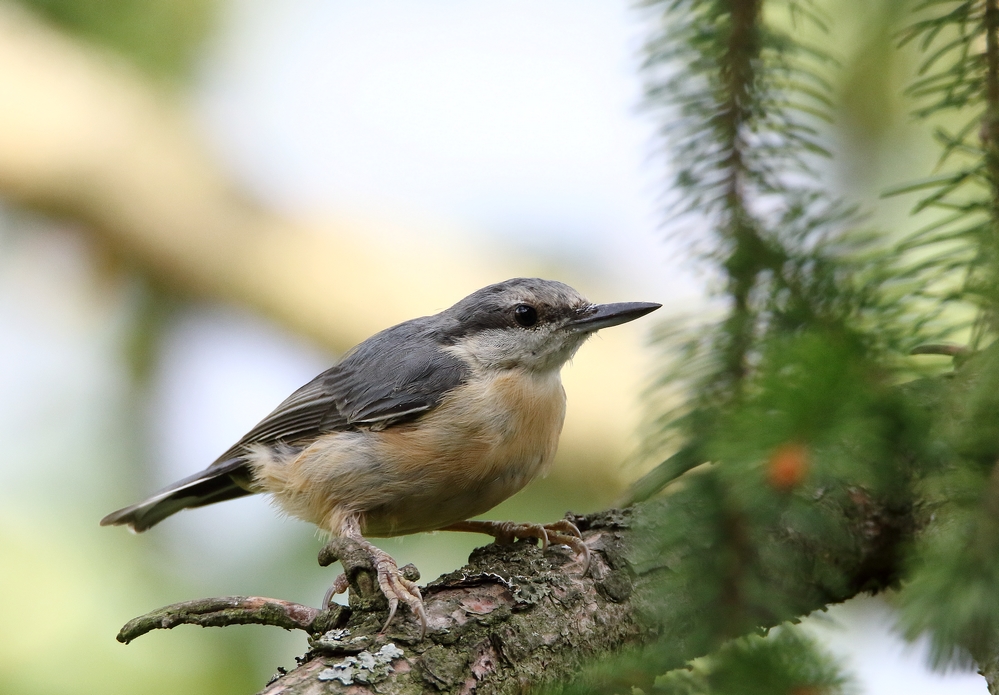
x,y
597,316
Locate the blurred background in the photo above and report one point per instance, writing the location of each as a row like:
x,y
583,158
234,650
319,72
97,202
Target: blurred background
x,y
203,203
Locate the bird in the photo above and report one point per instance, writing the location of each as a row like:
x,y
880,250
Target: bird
x,y
418,428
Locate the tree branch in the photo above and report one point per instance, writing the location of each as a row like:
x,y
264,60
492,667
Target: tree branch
x,y
516,616
232,610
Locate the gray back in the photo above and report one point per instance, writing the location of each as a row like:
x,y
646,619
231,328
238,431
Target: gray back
x,y
392,377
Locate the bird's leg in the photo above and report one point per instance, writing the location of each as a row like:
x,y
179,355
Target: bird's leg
x,y
392,582
561,532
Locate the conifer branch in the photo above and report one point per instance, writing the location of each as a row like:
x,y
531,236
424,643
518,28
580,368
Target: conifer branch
x,y
990,141
745,260
959,253
742,102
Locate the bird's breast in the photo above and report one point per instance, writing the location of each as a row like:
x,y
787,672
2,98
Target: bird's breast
x,y
484,442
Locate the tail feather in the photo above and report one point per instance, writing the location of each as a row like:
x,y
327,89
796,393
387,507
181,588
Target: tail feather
x,y
214,484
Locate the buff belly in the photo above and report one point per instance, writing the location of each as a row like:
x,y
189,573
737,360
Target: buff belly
x,y
483,443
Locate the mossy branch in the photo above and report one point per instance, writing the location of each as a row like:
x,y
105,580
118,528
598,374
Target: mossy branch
x,y
232,610
516,616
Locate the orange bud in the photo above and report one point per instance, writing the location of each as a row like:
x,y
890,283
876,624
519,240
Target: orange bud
x,y
788,466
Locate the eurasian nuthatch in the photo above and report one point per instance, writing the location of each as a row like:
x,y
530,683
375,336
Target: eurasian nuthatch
x,y
418,428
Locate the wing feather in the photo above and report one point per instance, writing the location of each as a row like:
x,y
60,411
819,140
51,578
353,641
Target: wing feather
x,y
393,377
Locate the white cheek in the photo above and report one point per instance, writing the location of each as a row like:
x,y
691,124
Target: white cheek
x,y
538,350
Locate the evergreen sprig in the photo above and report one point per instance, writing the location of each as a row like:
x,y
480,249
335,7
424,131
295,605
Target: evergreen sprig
x,y
792,395
957,89
801,399
743,104
785,662
953,586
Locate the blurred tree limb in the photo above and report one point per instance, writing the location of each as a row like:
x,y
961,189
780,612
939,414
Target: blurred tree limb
x,y
162,36
84,135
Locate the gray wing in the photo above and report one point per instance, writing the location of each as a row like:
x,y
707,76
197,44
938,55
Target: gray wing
x,y
395,376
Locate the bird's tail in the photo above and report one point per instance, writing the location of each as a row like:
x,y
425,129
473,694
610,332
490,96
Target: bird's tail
x,y
224,481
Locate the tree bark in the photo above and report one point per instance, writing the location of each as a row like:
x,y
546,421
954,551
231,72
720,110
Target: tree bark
x,y
517,617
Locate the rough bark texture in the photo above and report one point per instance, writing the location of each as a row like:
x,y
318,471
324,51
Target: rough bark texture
x,y
517,617
988,667
230,610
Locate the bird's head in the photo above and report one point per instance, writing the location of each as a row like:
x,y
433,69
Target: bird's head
x,y
528,323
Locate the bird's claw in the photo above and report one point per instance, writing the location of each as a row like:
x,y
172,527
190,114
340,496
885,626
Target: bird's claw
x,y
395,583
397,588
561,532
339,585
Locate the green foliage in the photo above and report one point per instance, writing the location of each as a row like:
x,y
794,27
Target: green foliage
x,y
159,35
802,398
954,577
783,663
744,104
818,429
957,253
741,102
953,590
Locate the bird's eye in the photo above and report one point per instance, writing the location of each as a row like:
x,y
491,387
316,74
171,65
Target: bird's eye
x,y
525,315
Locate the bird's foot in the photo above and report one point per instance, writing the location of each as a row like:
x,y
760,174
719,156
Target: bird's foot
x,y
397,585
561,532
